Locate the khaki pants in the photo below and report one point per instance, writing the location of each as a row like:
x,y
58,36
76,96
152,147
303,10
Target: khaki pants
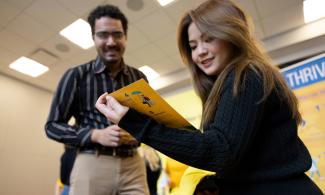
x,y
108,175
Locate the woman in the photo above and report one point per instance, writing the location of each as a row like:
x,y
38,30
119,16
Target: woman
x,y
249,118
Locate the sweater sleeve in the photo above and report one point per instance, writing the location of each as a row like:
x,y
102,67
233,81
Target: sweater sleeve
x,y
223,142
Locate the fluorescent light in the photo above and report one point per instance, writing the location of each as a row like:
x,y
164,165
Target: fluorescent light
x,y
28,66
313,10
79,33
149,72
164,2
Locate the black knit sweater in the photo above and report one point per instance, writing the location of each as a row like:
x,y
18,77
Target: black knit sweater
x,y
247,141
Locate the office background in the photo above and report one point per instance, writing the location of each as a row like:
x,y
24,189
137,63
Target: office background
x,y
29,162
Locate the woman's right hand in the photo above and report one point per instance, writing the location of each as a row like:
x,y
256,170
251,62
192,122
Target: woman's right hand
x,y
111,108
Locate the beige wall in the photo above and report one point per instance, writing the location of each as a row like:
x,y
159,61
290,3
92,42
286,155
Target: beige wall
x,y
29,161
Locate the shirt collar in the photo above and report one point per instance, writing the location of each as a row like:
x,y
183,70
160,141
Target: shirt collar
x,y
100,67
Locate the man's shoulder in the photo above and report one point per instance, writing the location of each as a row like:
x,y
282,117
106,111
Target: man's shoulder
x,y
78,71
81,69
84,66
133,69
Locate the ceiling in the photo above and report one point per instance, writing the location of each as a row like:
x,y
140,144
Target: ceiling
x,y
31,28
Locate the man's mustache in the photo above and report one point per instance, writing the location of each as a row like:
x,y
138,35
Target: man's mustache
x,y
113,48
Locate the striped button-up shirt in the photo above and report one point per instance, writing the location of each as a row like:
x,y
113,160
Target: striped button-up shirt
x,y
76,95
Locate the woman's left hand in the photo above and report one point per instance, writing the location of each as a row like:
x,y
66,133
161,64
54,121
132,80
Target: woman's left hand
x,y
111,108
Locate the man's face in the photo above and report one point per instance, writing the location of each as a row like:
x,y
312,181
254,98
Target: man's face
x,y
110,40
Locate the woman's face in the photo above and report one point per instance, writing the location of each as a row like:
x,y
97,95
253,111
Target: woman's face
x,y
210,54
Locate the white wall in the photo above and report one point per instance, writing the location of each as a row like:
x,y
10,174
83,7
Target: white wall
x,y
29,161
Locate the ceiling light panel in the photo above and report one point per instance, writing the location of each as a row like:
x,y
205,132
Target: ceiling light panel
x,y
164,2
313,10
79,33
28,66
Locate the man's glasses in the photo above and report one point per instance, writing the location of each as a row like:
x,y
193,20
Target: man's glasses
x,y
117,35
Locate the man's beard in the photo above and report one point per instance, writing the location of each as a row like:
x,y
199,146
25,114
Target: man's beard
x,y
111,62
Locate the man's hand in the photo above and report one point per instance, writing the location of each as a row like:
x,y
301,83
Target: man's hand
x,y
110,136
111,108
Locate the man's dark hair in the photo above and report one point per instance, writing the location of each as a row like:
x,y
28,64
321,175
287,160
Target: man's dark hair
x,y
107,11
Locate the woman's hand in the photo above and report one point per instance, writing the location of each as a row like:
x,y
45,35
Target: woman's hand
x,y
111,108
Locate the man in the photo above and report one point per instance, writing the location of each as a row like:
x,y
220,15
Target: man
x,y
107,161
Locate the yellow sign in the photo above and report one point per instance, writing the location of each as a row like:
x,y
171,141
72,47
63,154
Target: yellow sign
x,y
307,79
141,97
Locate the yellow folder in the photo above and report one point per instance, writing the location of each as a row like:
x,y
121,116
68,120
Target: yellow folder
x,y
141,97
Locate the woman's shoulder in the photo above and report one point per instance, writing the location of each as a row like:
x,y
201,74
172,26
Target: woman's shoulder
x,y
247,76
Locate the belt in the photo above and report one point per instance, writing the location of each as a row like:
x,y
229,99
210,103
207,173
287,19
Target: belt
x,y
122,152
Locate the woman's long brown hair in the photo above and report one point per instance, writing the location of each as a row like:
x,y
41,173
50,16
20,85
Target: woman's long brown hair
x,y
224,20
